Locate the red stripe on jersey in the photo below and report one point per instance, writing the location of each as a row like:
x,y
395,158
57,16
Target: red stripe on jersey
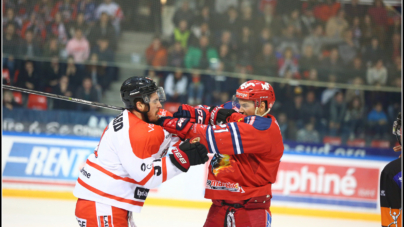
x,y
101,220
164,169
103,194
116,177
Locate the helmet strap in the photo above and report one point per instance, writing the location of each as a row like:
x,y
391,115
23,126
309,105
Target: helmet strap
x,y
256,111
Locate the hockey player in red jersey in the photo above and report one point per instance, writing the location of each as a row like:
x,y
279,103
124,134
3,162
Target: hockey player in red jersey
x,y
130,159
247,151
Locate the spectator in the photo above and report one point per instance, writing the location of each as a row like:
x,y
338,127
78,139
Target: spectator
x,y
58,29
201,56
156,77
79,23
264,37
373,52
53,72
330,91
355,93
378,13
246,45
88,8
311,109
9,101
313,76
44,9
21,8
205,17
289,40
293,19
377,75
324,11
337,113
182,34
377,120
73,73
156,54
292,109
222,85
36,25
286,7
198,31
268,19
308,22
226,58
308,60
247,19
394,29
28,78
184,14
52,48
308,134
103,29
176,55
348,49
266,62
368,30
78,47
353,119
395,72
315,40
10,49
283,125
230,21
288,63
87,92
104,52
66,8
175,87
29,48
114,11
64,88
11,19
394,49
356,29
228,39
100,74
332,63
354,10
356,69
195,89
336,25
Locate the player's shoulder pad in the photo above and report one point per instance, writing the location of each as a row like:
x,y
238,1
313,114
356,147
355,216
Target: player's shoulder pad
x,y
227,105
260,123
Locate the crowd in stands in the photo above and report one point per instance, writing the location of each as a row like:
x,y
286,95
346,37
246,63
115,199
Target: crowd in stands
x,y
312,40
61,46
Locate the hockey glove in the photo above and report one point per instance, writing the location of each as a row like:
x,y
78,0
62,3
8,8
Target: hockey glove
x,y
197,115
178,126
187,155
219,115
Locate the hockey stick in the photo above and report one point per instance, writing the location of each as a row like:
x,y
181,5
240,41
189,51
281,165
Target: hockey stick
x,y
61,97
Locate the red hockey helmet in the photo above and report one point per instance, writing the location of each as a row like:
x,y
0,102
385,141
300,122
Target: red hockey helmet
x,y
256,91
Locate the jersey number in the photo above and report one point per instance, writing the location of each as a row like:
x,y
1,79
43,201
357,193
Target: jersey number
x,y
220,128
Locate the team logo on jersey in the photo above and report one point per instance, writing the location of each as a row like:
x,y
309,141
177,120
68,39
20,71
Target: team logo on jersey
x,y
218,185
222,163
105,221
141,193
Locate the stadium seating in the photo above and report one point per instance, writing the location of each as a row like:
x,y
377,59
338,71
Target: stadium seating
x,y
37,102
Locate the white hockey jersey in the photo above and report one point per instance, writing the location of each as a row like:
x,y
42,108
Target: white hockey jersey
x,y
129,160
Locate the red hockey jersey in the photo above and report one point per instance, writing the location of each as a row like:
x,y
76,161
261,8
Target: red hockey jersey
x,y
247,156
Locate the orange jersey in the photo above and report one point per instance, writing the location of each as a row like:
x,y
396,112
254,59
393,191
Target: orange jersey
x,y
247,156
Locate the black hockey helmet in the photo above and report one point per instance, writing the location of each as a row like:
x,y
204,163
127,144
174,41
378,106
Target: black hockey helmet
x,y
139,88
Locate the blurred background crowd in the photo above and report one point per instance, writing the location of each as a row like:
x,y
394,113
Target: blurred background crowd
x,y
69,47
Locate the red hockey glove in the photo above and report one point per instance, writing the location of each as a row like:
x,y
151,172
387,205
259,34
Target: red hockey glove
x,y
196,115
219,115
187,155
178,126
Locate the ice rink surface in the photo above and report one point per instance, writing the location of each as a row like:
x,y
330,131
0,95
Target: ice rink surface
x,y
24,212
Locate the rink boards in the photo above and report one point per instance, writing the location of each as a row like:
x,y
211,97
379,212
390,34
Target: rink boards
x,y
48,166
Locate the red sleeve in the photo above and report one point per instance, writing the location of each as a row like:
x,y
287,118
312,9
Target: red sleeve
x,y
252,134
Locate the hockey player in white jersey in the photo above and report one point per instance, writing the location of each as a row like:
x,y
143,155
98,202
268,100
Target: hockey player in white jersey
x,y
130,159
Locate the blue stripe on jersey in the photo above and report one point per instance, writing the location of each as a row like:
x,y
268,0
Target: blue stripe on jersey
x,y
397,179
239,139
235,137
230,125
210,138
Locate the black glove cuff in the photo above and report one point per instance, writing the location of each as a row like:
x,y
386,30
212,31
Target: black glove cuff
x,y
175,162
